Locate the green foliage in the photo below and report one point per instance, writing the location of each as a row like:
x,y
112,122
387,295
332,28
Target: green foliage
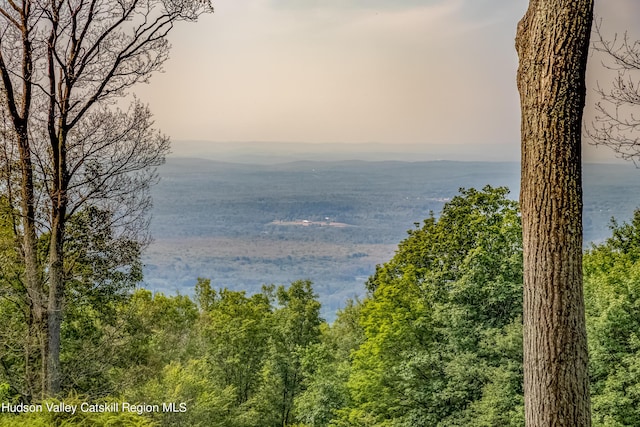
x,y
14,308
158,330
234,360
112,344
443,322
5,395
296,326
328,365
612,296
99,263
9,256
80,418
193,385
101,268
234,332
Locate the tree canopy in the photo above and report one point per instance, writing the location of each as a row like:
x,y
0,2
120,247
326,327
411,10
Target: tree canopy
x,y
442,325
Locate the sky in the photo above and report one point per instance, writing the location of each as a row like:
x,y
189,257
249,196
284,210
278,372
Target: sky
x,y
405,72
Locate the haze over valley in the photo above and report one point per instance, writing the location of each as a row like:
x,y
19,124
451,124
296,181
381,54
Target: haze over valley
x,y
243,225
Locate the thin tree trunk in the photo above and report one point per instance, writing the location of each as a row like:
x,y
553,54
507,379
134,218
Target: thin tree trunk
x,y
552,43
19,108
33,283
59,203
54,309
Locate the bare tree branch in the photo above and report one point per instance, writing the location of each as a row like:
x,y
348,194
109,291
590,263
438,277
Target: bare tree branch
x,y
617,121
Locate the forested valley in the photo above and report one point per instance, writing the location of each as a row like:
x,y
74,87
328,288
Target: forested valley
x,y
436,341
242,225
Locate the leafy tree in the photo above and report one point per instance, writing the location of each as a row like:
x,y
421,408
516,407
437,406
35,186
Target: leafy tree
x,y
443,322
295,327
234,331
244,363
552,42
159,330
612,294
101,269
100,263
327,365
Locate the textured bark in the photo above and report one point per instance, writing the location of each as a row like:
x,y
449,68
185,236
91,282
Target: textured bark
x,y
18,106
552,43
55,302
37,328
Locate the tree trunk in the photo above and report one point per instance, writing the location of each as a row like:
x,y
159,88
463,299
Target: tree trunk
x,y
35,292
552,43
19,107
56,298
59,203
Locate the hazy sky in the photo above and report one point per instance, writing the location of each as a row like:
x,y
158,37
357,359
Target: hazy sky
x,y
401,71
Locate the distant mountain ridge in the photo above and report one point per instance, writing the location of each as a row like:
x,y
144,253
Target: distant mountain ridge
x,y
284,152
